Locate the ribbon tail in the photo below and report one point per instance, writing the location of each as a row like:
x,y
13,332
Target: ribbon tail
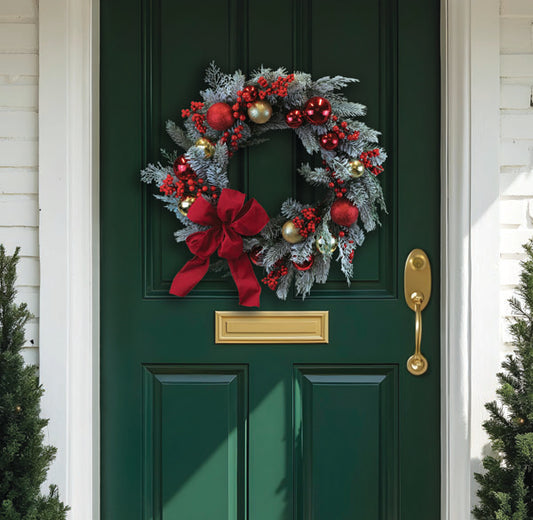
x,y
189,275
245,280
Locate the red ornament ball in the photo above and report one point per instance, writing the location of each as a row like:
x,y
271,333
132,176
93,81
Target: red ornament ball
x,y
220,117
182,168
249,94
305,266
329,141
344,213
294,118
317,110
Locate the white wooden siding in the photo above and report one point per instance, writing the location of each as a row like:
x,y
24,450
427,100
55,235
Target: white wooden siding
x,y
516,157
19,206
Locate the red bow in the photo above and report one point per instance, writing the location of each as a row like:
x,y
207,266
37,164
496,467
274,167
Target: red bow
x,y
230,219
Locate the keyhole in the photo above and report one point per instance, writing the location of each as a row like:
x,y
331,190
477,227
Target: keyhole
x,y
418,262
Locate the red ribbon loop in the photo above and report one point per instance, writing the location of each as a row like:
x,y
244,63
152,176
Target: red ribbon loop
x,y
229,221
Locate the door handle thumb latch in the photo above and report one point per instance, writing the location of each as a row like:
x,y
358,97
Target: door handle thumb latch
x,y
417,287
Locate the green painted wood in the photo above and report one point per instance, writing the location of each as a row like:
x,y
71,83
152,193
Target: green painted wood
x,y
346,442
170,395
186,411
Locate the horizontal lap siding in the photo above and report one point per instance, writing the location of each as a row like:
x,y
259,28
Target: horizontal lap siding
x,y
516,157
19,204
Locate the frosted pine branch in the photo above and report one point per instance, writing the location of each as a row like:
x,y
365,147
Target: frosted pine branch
x,y
178,135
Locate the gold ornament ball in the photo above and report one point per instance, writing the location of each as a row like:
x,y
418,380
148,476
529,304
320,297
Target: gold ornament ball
x,y
260,112
18,408
326,245
357,168
206,145
185,204
290,233
521,421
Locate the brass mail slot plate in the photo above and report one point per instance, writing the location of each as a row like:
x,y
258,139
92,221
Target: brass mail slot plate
x,y
271,327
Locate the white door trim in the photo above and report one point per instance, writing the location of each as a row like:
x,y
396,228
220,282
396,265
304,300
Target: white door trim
x,y
69,242
470,241
69,246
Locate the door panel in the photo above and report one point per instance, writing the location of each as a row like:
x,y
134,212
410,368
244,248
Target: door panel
x,y
191,429
300,38
346,444
195,440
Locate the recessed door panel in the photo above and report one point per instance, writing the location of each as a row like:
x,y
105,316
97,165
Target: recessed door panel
x,y
346,426
241,37
195,440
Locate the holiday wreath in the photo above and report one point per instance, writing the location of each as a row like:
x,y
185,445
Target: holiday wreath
x,y
300,243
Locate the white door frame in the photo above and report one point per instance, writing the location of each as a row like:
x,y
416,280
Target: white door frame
x,y
69,242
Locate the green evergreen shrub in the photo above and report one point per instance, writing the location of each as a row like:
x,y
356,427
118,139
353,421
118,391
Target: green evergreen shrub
x,y
506,486
24,459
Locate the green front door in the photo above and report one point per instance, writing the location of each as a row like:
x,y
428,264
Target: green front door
x,y
195,430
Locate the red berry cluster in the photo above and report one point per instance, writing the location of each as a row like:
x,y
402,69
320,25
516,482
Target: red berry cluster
x,y
238,111
271,280
192,187
185,182
233,137
197,118
366,159
277,88
336,183
308,222
245,98
250,93
168,187
343,131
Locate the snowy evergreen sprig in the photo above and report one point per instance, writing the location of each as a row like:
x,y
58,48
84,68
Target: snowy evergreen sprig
x,y
207,151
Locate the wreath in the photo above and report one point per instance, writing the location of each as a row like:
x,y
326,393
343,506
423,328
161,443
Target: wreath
x,y
299,244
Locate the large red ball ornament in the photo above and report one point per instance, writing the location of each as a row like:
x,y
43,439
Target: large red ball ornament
x,y
220,116
317,110
329,141
182,168
249,94
294,118
344,213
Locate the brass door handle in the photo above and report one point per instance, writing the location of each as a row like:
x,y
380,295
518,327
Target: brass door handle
x,y
417,287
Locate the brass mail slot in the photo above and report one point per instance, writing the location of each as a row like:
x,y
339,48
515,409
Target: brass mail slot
x,y
271,327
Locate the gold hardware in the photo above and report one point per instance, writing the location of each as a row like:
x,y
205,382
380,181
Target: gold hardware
x,y
417,289
268,327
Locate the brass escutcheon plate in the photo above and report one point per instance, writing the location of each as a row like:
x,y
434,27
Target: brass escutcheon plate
x,y
417,278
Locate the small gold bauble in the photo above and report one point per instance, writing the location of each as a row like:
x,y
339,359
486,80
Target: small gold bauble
x,y
290,233
260,112
357,168
326,245
185,204
206,145
521,420
18,408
